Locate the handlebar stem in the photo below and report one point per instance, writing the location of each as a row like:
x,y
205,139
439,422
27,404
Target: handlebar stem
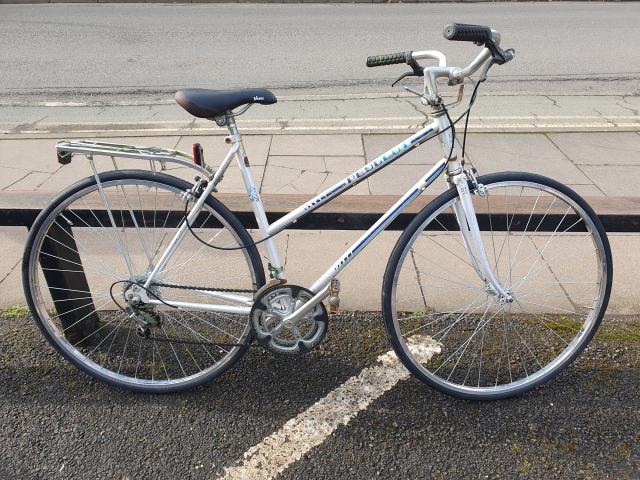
x,y
454,74
431,74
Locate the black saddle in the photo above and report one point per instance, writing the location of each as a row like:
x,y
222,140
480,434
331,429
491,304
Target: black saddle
x,y
203,103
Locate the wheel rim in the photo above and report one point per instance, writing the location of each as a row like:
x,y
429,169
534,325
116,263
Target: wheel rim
x,y
440,368
173,364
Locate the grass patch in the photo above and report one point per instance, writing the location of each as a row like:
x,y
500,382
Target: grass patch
x,y
619,336
13,311
71,386
564,324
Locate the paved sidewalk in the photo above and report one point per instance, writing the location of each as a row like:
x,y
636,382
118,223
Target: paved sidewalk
x,y
393,112
595,164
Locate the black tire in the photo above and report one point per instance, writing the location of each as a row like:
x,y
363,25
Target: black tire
x,y
416,226
43,221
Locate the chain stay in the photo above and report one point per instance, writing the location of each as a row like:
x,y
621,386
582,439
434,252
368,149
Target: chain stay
x,y
193,342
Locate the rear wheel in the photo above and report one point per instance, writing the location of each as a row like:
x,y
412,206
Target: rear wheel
x,y
546,246
77,265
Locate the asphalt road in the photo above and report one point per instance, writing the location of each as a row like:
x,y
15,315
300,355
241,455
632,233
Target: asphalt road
x,y
56,423
51,51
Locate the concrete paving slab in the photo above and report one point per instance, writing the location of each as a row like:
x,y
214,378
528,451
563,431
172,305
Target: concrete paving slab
x,y
11,176
398,179
578,107
11,292
32,181
40,157
571,268
587,190
31,154
598,148
232,181
520,152
311,175
67,175
329,145
13,240
310,253
215,149
615,180
625,298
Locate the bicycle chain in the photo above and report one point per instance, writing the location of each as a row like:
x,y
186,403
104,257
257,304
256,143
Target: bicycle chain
x,y
207,289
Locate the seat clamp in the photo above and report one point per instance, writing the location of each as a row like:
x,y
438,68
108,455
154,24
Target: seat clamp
x,y
232,139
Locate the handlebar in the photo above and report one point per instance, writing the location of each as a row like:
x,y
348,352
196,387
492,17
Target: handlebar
x,y
478,34
462,32
389,59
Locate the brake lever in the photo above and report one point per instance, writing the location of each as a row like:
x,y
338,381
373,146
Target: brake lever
x,y
406,74
416,71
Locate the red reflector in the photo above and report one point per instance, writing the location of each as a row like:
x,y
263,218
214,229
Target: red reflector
x,y
198,155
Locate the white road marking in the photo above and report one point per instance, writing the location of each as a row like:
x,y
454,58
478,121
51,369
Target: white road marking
x,y
312,427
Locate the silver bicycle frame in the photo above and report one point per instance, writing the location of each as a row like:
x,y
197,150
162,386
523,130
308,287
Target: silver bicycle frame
x,y
439,126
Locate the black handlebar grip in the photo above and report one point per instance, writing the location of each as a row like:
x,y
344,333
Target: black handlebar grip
x,y
467,33
389,59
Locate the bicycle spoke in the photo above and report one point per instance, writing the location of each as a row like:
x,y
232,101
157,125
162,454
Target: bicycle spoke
x,y
154,346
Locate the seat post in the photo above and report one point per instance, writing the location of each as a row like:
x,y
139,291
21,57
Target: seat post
x,y
231,125
236,138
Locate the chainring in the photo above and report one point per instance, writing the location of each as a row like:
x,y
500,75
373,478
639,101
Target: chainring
x,y
270,309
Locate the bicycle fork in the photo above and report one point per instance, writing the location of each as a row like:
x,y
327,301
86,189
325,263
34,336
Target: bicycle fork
x,y
468,223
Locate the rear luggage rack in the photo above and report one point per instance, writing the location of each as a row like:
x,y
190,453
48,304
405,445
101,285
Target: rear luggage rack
x,y
89,148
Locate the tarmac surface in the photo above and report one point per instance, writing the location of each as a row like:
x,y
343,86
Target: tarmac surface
x,y
138,50
57,423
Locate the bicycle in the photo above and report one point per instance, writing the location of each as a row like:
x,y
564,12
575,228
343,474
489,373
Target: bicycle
x,y
495,286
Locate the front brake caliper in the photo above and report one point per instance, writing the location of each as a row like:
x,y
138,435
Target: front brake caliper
x,y
478,188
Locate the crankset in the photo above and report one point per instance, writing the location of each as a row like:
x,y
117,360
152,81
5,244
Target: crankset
x,y
272,330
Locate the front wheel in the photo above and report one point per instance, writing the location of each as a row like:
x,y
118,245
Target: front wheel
x,y
448,326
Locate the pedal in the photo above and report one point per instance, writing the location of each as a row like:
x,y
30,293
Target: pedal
x,y
334,299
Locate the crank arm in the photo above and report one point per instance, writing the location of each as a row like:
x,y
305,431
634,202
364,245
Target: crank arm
x,y
310,305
